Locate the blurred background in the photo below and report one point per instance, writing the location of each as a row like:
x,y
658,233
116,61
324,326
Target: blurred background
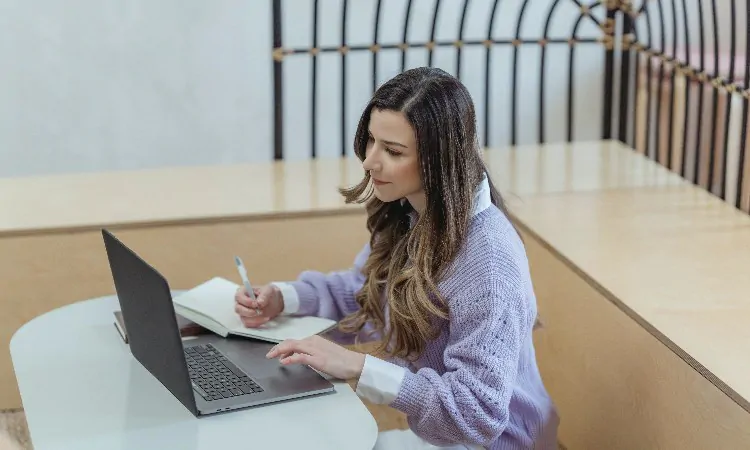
x,y
87,85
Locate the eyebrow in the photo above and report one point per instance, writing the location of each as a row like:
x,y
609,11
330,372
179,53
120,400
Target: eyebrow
x,y
393,143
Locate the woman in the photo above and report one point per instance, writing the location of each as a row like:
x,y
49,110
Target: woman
x,y
443,283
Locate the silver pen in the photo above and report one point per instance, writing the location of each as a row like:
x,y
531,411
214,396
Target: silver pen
x,y
243,274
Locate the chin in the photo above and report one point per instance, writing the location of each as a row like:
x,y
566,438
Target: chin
x,y
386,197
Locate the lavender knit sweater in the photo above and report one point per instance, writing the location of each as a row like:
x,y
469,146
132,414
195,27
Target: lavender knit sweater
x,y
478,382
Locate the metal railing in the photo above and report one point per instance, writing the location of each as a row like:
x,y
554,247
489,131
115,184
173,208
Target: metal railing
x,y
681,111
663,92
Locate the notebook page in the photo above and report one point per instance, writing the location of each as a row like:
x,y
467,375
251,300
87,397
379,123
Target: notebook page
x,y
286,327
215,299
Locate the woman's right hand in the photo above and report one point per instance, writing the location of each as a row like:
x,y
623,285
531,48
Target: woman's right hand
x,y
268,303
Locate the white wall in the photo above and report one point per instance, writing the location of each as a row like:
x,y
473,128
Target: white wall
x,y
91,85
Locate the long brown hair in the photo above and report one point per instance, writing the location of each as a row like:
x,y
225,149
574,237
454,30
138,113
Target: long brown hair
x,y
411,254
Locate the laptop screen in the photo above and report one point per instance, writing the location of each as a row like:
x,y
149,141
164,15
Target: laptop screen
x,y
149,315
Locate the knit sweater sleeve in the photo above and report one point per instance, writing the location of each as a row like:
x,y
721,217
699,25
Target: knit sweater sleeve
x,y
330,295
469,403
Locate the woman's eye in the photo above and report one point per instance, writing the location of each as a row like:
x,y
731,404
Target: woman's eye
x,y
392,152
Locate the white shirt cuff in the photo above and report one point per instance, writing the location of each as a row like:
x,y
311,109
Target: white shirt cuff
x,y
380,380
289,294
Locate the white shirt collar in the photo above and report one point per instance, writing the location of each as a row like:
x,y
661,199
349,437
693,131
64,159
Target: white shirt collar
x,y
482,197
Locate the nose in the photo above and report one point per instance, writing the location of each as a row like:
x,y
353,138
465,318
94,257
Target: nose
x,y
371,162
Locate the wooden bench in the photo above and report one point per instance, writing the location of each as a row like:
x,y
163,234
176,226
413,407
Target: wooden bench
x,y
642,284
638,273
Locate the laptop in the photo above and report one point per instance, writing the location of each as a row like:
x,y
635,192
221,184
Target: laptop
x,y
208,374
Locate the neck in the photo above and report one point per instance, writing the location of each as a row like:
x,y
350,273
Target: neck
x,y
417,201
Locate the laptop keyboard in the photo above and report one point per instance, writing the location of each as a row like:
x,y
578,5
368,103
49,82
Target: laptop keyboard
x,y
214,377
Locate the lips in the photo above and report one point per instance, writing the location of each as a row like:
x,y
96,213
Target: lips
x,y
377,182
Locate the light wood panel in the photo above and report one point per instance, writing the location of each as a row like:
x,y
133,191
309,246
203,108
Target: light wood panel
x,y
250,191
675,259
617,386
46,271
175,194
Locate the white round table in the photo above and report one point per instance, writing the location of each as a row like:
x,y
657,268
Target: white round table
x,y
82,389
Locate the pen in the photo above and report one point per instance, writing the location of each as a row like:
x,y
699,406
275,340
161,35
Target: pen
x,y
243,274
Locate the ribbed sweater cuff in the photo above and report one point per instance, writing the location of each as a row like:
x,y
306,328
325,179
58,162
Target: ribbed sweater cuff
x,y
411,395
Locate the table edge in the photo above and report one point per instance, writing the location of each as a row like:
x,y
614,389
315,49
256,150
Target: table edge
x,y
183,221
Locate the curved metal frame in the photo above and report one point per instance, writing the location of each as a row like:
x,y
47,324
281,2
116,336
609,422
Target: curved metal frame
x,y
703,77
628,46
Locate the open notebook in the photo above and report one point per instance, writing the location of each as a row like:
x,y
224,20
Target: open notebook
x,y
211,305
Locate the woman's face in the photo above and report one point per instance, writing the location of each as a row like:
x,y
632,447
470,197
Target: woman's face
x,y
392,159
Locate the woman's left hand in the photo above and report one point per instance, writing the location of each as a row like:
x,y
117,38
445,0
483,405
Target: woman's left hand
x,y
320,354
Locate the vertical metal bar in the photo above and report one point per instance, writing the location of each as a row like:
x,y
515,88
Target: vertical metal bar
x,y
487,71
743,129
660,81
569,136
461,38
701,90
670,141
314,85
278,97
686,127
728,106
625,57
714,102
571,59
514,82
649,80
343,77
375,50
433,31
636,84
404,41
609,62
542,71
743,144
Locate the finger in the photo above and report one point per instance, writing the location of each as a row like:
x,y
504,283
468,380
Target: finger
x,y
239,295
246,301
261,299
300,358
282,348
244,311
254,322
293,346
285,347
285,355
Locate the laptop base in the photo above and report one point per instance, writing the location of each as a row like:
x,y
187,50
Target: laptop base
x,y
279,383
